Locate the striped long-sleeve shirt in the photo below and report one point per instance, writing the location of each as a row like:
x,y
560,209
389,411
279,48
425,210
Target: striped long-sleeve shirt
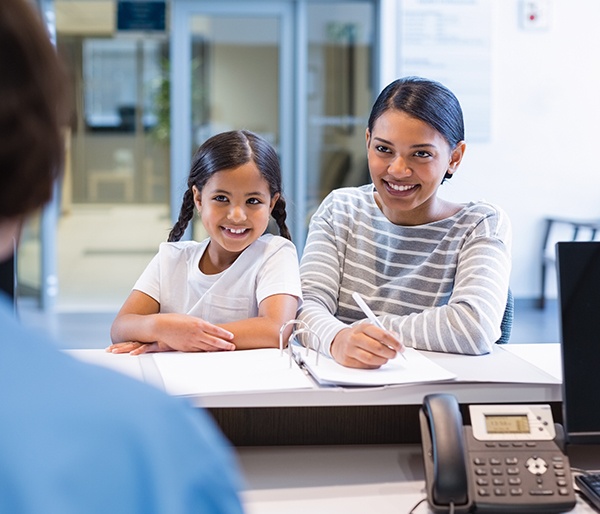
x,y
442,286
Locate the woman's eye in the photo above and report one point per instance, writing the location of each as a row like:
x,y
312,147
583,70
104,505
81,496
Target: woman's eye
x,y
220,198
383,149
422,153
254,201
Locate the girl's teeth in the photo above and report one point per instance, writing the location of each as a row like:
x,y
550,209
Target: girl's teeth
x,y
237,231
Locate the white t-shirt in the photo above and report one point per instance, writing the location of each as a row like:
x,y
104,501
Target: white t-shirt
x,y
173,278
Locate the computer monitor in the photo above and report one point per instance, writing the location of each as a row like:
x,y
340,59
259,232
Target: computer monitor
x,y
578,271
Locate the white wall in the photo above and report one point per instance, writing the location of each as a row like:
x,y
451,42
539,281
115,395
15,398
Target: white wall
x,y
542,158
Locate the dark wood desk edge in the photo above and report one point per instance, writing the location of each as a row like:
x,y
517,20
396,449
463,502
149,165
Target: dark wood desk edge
x,y
331,425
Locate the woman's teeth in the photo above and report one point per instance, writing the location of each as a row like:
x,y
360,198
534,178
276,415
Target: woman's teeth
x,y
397,187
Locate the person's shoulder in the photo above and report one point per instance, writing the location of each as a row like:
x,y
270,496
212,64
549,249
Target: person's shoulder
x,y
483,209
352,194
349,201
178,248
269,243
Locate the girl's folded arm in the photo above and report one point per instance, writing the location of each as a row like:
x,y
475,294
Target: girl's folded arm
x,y
263,330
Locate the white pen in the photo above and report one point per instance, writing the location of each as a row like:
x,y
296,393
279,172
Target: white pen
x,y
370,314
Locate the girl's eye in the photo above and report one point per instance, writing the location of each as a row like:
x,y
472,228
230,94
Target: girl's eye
x,y
254,201
220,198
383,149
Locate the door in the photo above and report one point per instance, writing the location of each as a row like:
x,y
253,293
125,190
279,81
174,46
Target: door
x,y
300,73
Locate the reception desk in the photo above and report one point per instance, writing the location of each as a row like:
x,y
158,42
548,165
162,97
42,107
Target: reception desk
x,y
334,450
316,415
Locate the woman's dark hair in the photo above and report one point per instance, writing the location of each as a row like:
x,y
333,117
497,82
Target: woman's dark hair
x,y
426,100
230,150
33,111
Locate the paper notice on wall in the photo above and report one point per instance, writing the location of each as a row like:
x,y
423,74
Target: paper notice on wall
x,y
449,41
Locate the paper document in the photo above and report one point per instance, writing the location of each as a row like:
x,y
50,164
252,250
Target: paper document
x,y
416,368
240,371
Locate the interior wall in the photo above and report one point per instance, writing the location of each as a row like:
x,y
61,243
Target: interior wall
x,y
238,93
545,109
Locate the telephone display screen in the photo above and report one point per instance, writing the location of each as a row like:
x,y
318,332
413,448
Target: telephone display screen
x,y
507,424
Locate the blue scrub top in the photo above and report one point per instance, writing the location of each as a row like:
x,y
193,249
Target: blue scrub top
x,y
77,438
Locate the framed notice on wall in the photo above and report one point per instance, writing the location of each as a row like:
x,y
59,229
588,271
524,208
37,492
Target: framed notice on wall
x,y
449,41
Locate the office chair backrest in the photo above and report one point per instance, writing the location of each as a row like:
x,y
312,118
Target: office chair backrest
x,y
507,319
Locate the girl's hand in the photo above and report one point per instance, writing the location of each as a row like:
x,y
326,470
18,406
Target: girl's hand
x,y
365,346
135,348
190,334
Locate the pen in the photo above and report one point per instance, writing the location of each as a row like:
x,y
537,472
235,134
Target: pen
x,y
367,310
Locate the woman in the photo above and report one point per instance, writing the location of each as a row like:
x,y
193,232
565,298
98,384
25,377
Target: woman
x,y
435,272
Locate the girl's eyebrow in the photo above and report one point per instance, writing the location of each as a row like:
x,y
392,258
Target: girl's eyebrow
x,y
224,192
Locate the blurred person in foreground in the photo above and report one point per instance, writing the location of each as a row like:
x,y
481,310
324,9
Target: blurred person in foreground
x,y
77,438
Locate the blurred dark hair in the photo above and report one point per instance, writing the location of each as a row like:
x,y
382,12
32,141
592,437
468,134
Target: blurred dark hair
x,y
229,150
426,100
33,110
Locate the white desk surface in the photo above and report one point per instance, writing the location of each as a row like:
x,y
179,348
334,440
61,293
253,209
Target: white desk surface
x,y
337,480
536,365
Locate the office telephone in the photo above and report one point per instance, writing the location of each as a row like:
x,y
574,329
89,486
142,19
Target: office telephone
x,y
506,461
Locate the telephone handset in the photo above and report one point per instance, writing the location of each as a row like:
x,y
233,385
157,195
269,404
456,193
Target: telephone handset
x,y
506,461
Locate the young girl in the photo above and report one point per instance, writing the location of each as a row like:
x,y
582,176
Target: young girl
x,y
435,272
235,289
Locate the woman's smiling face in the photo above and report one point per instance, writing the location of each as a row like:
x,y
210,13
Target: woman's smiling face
x,y
408,160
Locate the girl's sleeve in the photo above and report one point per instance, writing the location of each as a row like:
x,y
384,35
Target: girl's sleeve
x,y
149,280
280,273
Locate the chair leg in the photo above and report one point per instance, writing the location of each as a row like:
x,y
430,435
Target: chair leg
x,y
542,298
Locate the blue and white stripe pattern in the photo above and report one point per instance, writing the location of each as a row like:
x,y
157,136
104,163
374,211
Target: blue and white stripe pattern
x,y
441,286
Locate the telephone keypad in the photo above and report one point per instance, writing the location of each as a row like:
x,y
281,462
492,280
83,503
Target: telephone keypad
x,y
529,471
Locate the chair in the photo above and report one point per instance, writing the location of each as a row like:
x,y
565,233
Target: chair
x,y
585,230
507,319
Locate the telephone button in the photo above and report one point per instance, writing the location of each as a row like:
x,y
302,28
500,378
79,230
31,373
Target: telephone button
x,y
563,491
482,481
518,444
498,481
530,444
514,481
483,492
497,471
516,491
512,471
495,462
559,473
536,465
511,461
561,482
478,461
541,492
499,492
480,472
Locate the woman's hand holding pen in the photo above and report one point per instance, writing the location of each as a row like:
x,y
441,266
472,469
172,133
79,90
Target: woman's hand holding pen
x,y
365,346
179,332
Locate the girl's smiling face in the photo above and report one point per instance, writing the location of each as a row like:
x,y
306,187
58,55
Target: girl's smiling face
x,y
408,160
235,207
